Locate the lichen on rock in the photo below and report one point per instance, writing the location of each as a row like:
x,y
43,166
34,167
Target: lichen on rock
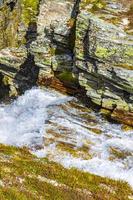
x,y
89,40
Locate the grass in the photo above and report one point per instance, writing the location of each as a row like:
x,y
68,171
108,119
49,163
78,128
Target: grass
x,y
23,177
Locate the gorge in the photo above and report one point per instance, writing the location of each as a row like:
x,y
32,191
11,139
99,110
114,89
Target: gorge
x,y
83,50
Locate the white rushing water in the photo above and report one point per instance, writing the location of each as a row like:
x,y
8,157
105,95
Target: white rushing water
x,y
23,122
39,116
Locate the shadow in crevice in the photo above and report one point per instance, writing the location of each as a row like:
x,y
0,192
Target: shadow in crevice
x,y
66,43
31,34
74,16
4,89
6,68
27,75
86,49
11,5
62,46
64,53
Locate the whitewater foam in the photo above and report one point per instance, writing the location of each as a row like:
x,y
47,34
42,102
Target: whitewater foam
x,y
25,123
22,122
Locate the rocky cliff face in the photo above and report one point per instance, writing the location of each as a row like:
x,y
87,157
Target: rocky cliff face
x,y
87,44
104,56
17,31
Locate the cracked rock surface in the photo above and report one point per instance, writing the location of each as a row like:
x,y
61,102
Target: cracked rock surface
x,y
86,44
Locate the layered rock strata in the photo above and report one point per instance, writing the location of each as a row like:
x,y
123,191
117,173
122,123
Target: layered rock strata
x,y
104,57
87,44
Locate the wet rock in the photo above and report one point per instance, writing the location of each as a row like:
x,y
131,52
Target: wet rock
x,y
123,117
52,49
75,44
17,31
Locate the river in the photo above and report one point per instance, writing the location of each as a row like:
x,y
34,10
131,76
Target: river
x,y
59,127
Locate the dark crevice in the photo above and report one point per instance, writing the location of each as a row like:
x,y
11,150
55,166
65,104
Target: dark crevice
x,y
66,45
86,46
27,75
31,34
4,90
11,5
126,97
71,37
86,50
7,68
74,16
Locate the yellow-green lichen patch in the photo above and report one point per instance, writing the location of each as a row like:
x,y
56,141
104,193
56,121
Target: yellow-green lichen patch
x,y
93,5
102,52
105,112
13,193
27,177
49,191
15,152
52,51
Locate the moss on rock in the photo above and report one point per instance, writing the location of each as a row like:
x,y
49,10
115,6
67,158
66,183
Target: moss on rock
x,y
102,52
29,10
67,76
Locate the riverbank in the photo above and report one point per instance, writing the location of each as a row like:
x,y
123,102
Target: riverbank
x,y
49,126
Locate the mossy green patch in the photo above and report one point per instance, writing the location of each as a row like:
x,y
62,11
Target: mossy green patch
x,y
102,52
67,76
29,10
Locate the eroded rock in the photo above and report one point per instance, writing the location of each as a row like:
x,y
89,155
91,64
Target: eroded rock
x,y
85,44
